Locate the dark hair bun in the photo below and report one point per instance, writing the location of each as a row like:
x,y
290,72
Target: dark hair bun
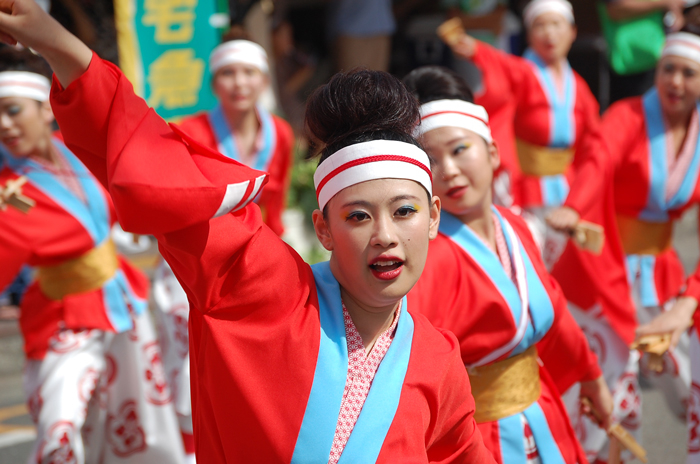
x,y
430,83
13,59
236,32
359,106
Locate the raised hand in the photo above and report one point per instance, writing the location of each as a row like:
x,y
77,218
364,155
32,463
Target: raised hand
x,y
563,219
25,22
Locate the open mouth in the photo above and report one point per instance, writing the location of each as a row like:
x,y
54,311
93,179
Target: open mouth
x,y
386,269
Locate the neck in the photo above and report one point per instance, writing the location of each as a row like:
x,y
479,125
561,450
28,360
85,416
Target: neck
x,y
370,322
242,122
557,66
480,221
44,150
679,120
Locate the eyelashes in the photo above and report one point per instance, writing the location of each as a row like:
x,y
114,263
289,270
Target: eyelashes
x,y
403,211
461,147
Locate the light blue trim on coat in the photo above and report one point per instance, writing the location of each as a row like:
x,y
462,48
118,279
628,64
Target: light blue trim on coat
x,y
317,431
562,129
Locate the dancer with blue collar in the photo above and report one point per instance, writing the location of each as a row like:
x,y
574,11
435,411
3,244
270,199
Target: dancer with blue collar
x,y
485,281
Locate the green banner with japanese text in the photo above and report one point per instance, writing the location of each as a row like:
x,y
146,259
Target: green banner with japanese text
x,y
164,48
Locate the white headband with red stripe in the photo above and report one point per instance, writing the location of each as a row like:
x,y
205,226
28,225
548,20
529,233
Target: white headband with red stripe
x,y
238,51
377,159
682,44
536,8
24,84
454,113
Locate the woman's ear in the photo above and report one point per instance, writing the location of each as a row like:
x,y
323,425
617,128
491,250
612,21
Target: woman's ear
x,y
323,232
46,112
494,156
435,207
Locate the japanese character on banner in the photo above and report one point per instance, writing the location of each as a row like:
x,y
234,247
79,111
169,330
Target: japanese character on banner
x,y
172,19
175,79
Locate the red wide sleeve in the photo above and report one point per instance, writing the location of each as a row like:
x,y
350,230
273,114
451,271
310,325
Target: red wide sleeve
x,y
506,69
15,247
196,202
590,159
619,128
455,422
564,350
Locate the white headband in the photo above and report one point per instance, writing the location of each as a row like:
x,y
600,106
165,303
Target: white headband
x,y
378,159
238,51
24,84
682,44
454,113
538,7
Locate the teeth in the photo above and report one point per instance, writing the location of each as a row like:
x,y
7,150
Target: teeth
x,y
386,263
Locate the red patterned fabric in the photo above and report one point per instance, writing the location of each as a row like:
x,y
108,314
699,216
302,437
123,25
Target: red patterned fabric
x,y
361,370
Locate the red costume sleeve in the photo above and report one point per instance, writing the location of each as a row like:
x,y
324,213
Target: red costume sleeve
x,y
509,70
14,245
457,424
618,138
164,183
589,160
564,349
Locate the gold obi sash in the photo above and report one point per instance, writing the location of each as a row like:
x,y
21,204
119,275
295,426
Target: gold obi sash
x,y
543,161
79,275
506,387
642,237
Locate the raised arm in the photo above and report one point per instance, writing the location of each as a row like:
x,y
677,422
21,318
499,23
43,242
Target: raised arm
x,y
163,182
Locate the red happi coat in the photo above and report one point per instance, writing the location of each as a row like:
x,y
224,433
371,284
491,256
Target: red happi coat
x,y
272,199
460,291
518,107
589,181
61,227
257,310
627,129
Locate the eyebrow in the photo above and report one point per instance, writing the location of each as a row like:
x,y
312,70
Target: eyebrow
x,y
367,204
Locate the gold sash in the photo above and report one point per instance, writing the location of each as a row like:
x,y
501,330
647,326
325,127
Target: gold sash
x,y
642,237
543,161
79,275
506,387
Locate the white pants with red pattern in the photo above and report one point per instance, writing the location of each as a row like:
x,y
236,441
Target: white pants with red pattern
x,y
100,397
621,369
172,318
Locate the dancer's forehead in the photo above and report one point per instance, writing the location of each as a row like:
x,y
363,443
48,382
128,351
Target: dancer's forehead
x,y
373,160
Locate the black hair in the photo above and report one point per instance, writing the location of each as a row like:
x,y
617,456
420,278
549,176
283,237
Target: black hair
x,y
359,106
13,59
430,83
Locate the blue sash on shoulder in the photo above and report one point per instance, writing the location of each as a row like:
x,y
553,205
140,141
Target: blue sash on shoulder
x,y
321,417
562,122
93,215
227,143
658,206
541,311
